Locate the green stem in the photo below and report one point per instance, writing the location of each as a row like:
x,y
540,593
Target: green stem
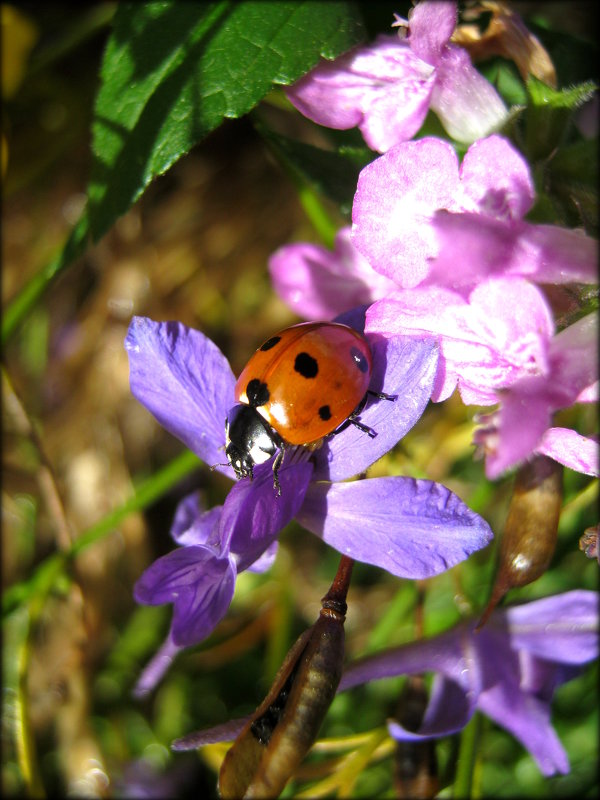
x,y
49,571
317,213
464,783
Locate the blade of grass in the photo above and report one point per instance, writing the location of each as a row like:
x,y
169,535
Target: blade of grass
x,y
16,734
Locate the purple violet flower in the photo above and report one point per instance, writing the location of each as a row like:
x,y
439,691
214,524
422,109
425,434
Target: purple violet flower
x,y
387,88
420,219
412,528
509,670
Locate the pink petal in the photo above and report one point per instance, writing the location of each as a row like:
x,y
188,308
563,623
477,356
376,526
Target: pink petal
x,y
574,357
496,178
473,246
396,198
397,114
468,106
383,88
571,449
552,254
522,420
431,24
320,284
486,343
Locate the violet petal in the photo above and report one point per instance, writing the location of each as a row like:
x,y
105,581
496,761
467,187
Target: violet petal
x,y
199,583
193,526
412,528
443,653
254,514
528,719
449,709
156,668
184,380
402,366
224,732
562,627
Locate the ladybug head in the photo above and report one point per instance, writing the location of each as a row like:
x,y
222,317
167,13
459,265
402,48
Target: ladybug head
x,y
249,440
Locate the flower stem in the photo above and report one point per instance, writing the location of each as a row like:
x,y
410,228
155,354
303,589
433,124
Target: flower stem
x,y
464,781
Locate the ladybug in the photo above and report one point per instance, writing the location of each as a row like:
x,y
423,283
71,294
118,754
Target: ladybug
x,y
304,383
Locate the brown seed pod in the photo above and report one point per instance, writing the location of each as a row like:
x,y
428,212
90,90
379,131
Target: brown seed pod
x,y
281,731
530,532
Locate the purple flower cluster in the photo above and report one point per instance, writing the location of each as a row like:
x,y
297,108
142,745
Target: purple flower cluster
x,y
411,528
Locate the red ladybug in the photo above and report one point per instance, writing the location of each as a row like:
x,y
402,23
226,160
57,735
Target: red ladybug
x,y
306,382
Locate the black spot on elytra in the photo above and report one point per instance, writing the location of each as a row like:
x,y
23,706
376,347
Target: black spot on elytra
x,y
257,393
325,413
306,365
359,359
270,343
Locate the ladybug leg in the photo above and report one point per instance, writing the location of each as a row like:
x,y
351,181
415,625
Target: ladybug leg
x,y
353,419
276,465
381,395
362,427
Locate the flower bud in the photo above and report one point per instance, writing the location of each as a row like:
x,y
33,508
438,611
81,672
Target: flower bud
x,y
283,728
529,537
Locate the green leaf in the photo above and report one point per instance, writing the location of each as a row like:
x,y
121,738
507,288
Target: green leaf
x,y
549,113
332,174
573,180
172,72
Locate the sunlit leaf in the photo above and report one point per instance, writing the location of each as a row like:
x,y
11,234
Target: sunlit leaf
x,y
172,72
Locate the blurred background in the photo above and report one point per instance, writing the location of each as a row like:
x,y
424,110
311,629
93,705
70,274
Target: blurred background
x,y
77,444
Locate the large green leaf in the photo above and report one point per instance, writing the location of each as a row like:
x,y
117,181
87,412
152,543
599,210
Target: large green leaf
x,y
173,71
